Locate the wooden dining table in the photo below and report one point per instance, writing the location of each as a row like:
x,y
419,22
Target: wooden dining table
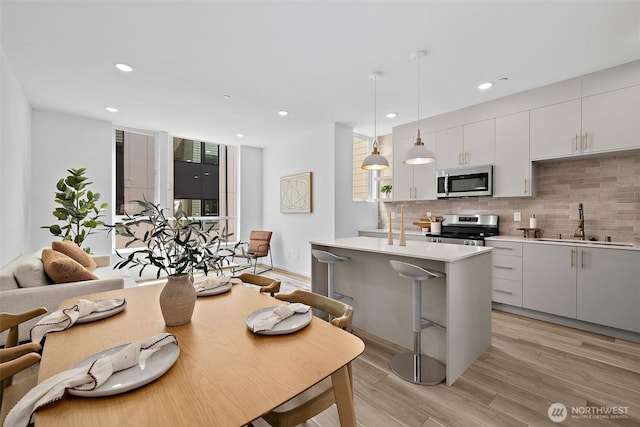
x,y
225,375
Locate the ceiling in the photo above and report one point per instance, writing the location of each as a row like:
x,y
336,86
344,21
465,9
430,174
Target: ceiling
x,y
311,58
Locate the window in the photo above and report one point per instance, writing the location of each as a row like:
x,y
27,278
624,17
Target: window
x,y
135,170
361,179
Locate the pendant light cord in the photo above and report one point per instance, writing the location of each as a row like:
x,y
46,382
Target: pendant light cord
x,y
375,112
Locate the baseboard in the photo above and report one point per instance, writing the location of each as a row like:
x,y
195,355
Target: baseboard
x,y
572,323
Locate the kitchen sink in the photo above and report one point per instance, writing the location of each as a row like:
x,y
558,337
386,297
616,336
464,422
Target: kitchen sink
x,y
587,242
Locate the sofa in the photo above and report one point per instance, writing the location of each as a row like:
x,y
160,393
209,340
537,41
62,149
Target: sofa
x,y
24,285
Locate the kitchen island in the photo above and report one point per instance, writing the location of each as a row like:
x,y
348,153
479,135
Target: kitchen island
x,y
382,300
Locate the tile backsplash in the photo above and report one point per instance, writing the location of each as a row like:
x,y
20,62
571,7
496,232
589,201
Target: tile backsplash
x,y
608,187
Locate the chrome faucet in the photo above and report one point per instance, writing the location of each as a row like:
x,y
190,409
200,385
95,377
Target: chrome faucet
x,y
580,230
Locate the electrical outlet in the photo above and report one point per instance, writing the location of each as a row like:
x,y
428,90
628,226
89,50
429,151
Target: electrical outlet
x,y
517,216
428,213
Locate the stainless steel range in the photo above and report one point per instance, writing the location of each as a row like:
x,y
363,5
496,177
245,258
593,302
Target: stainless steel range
x,y
466,229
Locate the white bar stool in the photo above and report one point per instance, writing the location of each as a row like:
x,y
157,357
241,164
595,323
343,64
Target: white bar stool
x,y
330,259
415,367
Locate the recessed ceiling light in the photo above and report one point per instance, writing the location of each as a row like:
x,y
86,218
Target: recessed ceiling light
x,y
392,115
240,135
485,85
111,109
226,96
283,113
124,67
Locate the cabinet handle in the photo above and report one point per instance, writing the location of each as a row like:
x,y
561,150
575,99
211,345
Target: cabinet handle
x,y
504,267
575,143
585,141
503,292
571,257
459,158
525,186
582,259
503,247
466,157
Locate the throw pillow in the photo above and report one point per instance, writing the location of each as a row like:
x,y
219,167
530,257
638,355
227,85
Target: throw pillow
x,y
62,269
30,273
74,252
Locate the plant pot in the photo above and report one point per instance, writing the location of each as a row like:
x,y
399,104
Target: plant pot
x,y
177,300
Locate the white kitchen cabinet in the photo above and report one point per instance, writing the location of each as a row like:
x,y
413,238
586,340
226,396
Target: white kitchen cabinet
x,y
608,287
506,272
549,279
512,175
555,130
599,123
611,121
468,145
450,145
479,143
412,182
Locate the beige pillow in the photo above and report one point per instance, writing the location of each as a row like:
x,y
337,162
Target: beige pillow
x,y
62,269
74,252
30,273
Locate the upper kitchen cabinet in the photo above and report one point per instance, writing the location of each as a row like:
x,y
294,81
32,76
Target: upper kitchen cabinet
x,y
468,145
412,182
611,120
599,123
555,130
512,168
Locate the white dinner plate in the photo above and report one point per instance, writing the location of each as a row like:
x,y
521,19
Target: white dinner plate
x,y
136,376
289,325
218,290
97,315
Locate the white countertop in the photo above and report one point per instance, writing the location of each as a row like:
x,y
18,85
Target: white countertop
x,y
567,242
383,232
414,249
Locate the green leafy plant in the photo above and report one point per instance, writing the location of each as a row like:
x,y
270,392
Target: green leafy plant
x,y
79,210
386,189
174,245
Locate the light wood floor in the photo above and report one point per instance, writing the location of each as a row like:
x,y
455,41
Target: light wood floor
x,y
530,365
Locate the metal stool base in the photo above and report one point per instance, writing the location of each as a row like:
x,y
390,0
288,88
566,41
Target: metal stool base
x,y
432,371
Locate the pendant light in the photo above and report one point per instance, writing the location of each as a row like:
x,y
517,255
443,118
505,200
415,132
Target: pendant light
x,y
375,161
419,154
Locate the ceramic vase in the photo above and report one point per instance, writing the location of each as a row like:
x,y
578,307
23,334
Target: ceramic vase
x,y
177,300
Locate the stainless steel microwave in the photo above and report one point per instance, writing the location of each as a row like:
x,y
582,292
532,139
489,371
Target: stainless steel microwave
x,y
465,182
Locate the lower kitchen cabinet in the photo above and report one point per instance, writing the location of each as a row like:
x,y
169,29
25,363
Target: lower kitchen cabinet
x,y
549,279
608,287
506,272
597,285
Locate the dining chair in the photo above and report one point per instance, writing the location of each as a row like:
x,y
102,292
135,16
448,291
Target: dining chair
x,y
13,357
318,398
267,284
258,246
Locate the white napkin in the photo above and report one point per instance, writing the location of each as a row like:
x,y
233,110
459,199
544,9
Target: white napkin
x,y
85,378
212,283
65,317
267,320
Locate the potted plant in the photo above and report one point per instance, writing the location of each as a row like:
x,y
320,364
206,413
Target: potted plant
x,y
79,210
176,246
386,190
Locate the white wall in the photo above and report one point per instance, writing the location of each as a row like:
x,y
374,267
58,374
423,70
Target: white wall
x,y
326,151
350,216
61,142
15,165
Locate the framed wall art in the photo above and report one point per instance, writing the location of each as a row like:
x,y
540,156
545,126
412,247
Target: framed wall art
x,y
295,193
